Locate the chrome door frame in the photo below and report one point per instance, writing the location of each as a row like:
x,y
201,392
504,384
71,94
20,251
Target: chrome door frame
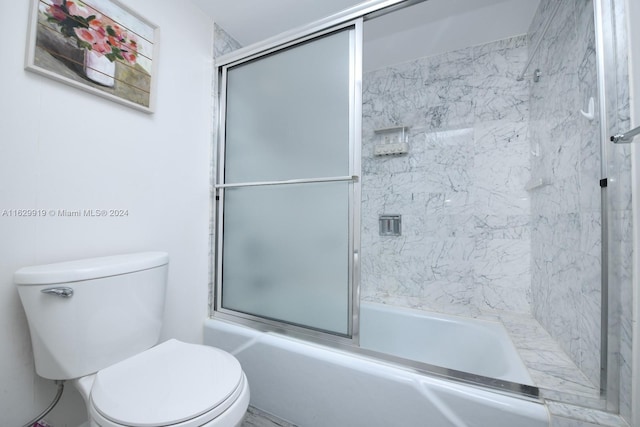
x,y
354,26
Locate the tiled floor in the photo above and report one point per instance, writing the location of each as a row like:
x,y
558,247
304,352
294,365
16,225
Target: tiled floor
x,y
257,418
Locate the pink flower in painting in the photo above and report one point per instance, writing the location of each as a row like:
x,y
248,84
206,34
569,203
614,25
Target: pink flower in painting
x,y
102,47
57,12
129,56
113,41
98,42
92,31
118,32
85,35
129,48
96,25
76,10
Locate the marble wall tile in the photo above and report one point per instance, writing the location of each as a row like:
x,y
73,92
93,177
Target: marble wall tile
x,y
497,93
622,277
566,415
501,168
566,232
460,190
570,422
223,42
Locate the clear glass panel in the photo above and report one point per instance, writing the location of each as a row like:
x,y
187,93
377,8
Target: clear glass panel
x,y
288,114
286,252
497,183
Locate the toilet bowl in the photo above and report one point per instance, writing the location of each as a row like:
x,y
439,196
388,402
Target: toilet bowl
x,y
173,384
97,322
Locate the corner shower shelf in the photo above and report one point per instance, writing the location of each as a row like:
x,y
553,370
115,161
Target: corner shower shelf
x,y
535,184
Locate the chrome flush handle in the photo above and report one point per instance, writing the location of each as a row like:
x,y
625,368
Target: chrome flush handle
x,y
63,292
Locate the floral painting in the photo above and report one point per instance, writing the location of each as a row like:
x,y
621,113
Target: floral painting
x,y
97,45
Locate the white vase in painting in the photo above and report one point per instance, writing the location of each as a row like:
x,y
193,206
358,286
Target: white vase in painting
x,y
99,69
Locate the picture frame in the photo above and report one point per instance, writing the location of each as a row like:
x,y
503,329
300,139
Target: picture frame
x,y
99,46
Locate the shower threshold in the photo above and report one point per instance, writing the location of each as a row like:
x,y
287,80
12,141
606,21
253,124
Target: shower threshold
x,y
551,369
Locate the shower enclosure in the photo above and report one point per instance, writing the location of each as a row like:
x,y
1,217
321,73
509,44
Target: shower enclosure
x,y
380,157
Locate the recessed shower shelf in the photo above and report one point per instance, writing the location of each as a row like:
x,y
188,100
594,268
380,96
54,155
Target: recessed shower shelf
x,y
392,129
391,141
535,184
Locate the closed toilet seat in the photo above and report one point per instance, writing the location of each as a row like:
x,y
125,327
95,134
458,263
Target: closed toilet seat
x,y
173,384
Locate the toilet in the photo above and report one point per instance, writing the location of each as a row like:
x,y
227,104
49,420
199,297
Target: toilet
x,y
97,323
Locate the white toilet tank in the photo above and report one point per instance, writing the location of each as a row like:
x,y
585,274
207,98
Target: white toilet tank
x,y
89,314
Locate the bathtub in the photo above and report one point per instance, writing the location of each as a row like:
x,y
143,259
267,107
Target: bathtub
x,y
474,346
309,384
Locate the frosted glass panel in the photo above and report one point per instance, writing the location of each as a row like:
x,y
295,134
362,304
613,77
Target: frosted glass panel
x,y
285,253
287,114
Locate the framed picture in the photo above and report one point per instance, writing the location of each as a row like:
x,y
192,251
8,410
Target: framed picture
x,y
99,46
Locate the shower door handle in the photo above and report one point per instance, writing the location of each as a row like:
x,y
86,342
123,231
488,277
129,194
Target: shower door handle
x,y
625,138
63,292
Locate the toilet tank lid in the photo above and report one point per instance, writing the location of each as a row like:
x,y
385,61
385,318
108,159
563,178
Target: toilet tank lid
x,y
90,268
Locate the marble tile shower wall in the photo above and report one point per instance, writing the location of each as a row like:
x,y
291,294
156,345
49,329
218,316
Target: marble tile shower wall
x,y
223,42
565,211
466,232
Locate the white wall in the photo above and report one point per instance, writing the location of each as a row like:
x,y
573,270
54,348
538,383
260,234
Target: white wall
x,y
61,148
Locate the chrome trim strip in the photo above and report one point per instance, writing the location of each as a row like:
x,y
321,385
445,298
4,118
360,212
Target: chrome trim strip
x,y
353,178
351,201
602,105
260,53
356,165
266,324
607,104
219,195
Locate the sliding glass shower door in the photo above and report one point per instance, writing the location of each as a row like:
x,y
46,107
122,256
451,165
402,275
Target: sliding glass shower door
x,y
286,182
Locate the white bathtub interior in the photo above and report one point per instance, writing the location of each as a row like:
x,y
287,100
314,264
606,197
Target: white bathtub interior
x,y
473,346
